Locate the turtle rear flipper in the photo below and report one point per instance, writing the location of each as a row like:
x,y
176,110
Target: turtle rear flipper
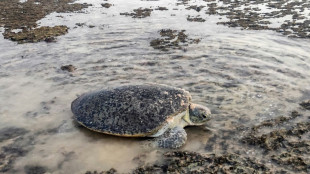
x,y
172,139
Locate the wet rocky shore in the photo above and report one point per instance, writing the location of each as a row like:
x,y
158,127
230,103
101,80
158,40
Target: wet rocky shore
x,y
283,141
289,18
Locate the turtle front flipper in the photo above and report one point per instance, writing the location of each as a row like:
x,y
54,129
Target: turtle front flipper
x,y
172,139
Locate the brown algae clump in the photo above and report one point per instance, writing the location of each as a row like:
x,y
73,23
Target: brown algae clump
x,y
24,15
36,35
284,140
191,162
172,39
252,15
111,171
139,13
292,161
277,138
17,15
195,7
195,19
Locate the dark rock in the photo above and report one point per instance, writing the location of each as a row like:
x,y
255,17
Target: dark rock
x,y
305,104
29,169
50,39
80,24
106,5
69,68
161,8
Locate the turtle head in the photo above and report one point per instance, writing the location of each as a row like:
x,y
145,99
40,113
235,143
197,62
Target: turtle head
x,y
198,114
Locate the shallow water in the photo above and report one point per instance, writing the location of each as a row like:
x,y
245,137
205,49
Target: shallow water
x,y
244,77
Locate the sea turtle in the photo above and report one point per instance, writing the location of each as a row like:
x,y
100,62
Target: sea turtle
x,y
148,110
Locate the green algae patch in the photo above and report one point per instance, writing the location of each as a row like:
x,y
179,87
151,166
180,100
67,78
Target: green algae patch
x,y
47,34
